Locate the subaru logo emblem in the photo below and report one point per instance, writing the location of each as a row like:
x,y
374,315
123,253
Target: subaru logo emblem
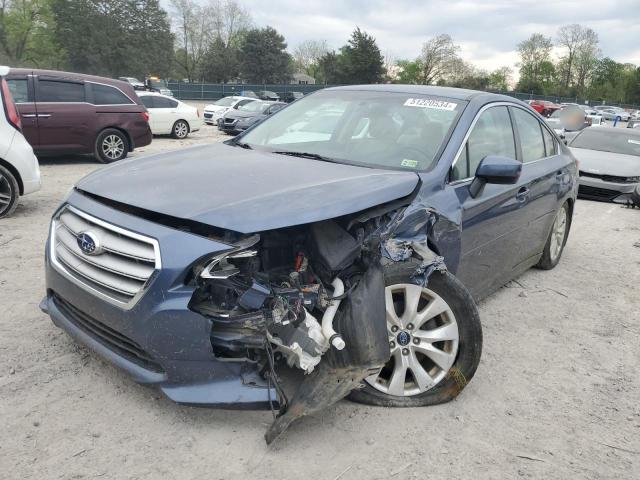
x,y
89,243
403,338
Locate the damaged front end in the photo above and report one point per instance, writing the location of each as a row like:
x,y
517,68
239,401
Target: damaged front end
x,y
312,296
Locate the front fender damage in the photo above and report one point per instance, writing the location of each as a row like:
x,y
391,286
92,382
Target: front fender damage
x,y
280,299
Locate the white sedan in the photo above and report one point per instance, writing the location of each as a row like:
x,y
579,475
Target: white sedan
x,y
217,109
168,116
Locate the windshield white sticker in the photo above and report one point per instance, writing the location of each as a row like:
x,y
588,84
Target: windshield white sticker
x,y
409,163
635,142
430,103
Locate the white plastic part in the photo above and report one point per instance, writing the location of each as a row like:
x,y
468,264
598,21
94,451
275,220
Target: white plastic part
x,y
4,70
327,319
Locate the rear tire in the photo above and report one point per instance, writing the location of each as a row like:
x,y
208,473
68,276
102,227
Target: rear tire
x,y
557,239
9,192
462,347
111,145
180,130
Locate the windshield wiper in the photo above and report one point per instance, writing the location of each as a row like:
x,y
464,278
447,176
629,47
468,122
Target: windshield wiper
x,y
313,156
243,145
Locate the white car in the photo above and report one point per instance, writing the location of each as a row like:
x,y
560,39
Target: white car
x,y
19,169
216,110
168,116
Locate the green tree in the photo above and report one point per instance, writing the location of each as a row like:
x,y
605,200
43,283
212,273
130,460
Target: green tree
x,y
221,63
26,34
533,52
409,71
114,37
264,57
500,79
360,60
328,71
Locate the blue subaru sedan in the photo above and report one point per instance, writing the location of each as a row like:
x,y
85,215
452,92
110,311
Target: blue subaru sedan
x,y
347,236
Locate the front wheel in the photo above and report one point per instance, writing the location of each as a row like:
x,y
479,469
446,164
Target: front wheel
x,y
111,145
180,129
556,240
9,192
435,338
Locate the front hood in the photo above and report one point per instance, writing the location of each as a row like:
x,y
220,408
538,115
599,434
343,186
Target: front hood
x,y
607,163
245,190
238,114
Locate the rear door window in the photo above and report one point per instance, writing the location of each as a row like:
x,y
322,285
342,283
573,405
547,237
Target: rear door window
x,y
106,95
147,101
491,135
550,144
161,102
530,132
19,88
60,91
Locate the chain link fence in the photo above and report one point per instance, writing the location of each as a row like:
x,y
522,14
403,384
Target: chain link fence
x,y
215,91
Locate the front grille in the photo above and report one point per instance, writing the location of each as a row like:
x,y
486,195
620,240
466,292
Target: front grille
x,y
229,121
107,336
607,178
598,193
208,115
122,266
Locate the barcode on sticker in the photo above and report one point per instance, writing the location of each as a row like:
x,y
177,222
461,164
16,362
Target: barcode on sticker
x,y
430,103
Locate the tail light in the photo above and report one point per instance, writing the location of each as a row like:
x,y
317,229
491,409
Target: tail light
x,y
10,109
145,115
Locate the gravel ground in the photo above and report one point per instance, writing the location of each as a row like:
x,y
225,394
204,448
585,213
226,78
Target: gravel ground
x,y
556,394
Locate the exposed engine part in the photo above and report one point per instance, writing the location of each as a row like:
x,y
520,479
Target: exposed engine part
x,y
364,327
329,333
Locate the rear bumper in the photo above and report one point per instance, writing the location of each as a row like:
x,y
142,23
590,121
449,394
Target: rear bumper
x,y
142,139
158,341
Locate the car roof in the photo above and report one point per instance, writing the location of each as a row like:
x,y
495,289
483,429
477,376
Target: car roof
x,y
450,92
71,76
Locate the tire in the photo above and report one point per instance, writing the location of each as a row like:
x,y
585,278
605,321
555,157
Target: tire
x,y
9,192
461,360
556,240
111,145
180,130
635,196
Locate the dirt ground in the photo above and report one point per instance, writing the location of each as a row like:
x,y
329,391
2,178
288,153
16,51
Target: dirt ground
x,y
556,395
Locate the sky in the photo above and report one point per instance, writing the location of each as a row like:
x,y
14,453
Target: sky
x,y
487,31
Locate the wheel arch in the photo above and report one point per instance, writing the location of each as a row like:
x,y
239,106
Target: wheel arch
x,y
130,145
15,173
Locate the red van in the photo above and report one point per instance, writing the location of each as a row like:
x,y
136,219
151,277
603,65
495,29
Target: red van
x,y
66,113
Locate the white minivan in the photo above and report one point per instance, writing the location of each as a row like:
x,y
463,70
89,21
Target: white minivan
x,y
19,169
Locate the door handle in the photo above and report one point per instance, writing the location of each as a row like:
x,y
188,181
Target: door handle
x,y
29,115
44,115
522,194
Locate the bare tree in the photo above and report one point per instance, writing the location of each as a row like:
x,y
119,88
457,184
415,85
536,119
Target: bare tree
x,y
193,24
307,54
576,40
229,20
437,57
586,58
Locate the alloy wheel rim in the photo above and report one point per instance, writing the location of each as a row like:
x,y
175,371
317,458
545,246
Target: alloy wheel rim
x,y
181,130
112,146
423,338
6,192
558,233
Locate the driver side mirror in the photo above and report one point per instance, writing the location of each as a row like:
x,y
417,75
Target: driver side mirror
x,y
497,170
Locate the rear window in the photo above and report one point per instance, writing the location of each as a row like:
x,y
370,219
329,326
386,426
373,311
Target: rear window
x,y
57,91
19,89
105,95
161,102
608,140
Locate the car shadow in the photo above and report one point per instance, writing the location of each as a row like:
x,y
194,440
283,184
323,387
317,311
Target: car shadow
x,y
69,159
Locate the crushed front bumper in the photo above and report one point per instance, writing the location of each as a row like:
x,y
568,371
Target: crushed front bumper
x,y
598,189
158,340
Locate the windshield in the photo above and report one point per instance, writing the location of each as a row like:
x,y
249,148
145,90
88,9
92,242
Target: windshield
x,y
257,107
608,140
371,128
225,102
158,83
